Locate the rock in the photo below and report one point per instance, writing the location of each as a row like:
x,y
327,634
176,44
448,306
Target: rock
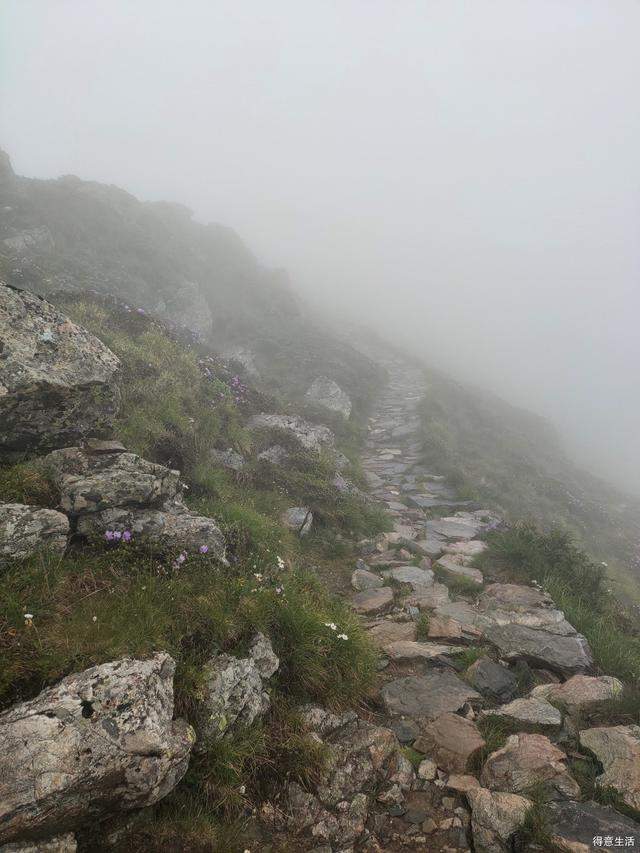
x,y
372,600
529,760
432,548
60,844
175,532
100,740
310,436
428,598
564,654
494,681
574,826
617,748
408,650
232,692
451,528
405,730
390,632
452,564
94,481
360,757
58,383
328,394
417,578
469,548
425,563
298,519
427,770
441,627
580,692
537,713
461,782
451,741
495,818
276,455
428,695
361,579
25,530
229,458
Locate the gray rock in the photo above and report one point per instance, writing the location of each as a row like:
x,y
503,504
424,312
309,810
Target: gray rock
x,y
428,547
94,481
451,741
580,692
58,383
453,564
428,695
276,455
494,681
417,579
298,519
362,579
169,531
573,826
495,818
310,436
25,530
391,632
101,740
229,458
372,600
412,650
327,393
233,692
534,713
528,761
452,528
564,654
617,748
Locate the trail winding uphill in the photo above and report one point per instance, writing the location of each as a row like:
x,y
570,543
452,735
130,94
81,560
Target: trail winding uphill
x,y
456,651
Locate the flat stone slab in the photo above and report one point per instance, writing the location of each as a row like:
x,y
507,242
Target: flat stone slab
x,y
452,528
451,741
361,580
535,713
412,575
393,632
430,597
372,600
428,695
427,547
470,548
580,691
564,654
411,650
573,826
453,565
493,680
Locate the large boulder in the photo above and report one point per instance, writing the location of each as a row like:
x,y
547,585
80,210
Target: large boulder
x,y
58,383
495,818
617,748
175,531
328,394
580,692
91,479
100,741
427,696
24,530
583,827
233,692
527,761
310,436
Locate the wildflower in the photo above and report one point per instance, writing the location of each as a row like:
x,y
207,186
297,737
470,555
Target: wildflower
x,y
204,549
126,536
279,590
28,619
108,535
94,618
182,556
331,625
140,311
342,637
117,535
280,562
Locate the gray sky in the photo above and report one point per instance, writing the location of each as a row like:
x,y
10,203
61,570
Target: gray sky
x,y
464,175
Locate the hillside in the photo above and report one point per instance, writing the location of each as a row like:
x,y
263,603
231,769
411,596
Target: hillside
x,y
264,588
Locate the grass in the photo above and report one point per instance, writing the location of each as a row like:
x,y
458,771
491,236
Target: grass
x,y
469,656
27,483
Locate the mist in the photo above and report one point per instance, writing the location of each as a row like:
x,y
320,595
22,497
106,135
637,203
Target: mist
x,y
463,177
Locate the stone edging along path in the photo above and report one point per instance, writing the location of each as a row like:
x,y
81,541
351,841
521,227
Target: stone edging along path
x,y
402,582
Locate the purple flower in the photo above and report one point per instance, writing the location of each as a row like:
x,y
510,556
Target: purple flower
x,y
140,310
181,557
108,535
204,549
127,536
117,535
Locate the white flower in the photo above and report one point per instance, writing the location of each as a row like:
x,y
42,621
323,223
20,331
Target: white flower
x,y
28,615
342,637
280,562
257,576
331,625
94,618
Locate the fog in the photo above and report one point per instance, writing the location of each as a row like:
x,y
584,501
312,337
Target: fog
x,y
463,176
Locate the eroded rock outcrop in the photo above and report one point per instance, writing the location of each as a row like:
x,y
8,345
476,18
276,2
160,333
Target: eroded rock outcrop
x,y
617,748
310,436
100,740
328,394
25,530
58,383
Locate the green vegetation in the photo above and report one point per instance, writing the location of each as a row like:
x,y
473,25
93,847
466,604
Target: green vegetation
x,y
27,483
576,585
470,655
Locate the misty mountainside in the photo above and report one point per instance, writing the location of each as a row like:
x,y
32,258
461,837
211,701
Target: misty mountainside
x,y
70,234
510,458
